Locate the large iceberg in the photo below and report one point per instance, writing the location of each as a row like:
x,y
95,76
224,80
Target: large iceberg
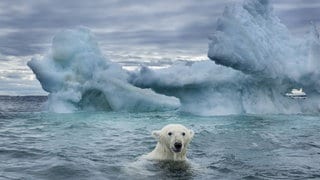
x,y
256,61
79,77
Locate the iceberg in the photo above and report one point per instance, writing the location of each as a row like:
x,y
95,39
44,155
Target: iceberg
x,y
257,61
254,61
78,77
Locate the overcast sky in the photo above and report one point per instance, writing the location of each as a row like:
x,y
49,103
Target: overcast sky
x,y
127,30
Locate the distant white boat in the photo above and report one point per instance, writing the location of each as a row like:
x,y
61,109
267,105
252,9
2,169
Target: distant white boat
x,y
297,94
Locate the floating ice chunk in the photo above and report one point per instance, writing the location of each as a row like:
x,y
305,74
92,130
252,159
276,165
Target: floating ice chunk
x,y
77,76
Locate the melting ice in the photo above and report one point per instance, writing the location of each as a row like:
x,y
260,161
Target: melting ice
x,y
255,61
77,76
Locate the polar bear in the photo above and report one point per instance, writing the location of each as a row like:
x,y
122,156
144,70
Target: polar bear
x,y
173,140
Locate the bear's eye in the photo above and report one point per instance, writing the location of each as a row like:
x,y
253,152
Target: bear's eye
x,y
170,133
183,134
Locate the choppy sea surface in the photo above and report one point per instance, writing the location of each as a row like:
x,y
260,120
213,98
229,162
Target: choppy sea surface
x,y
35,144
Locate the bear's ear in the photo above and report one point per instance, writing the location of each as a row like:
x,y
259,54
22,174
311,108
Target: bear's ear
x,y
156,134
191,134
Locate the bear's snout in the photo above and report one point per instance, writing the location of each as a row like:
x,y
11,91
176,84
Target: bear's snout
x,y
177,147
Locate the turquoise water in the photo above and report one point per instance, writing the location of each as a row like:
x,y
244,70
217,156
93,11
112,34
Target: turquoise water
x,y
35,144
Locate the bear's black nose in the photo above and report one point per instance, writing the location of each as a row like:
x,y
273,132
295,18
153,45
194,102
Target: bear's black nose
x,y
178,145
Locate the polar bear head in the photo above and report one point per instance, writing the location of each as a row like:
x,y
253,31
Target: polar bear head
x,y
174,138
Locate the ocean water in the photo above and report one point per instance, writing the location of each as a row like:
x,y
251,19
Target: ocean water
x,y
35,144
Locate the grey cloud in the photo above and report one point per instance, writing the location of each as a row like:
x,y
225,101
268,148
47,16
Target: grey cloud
x,y
182,24
297,14
13,76
142,22
310,14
